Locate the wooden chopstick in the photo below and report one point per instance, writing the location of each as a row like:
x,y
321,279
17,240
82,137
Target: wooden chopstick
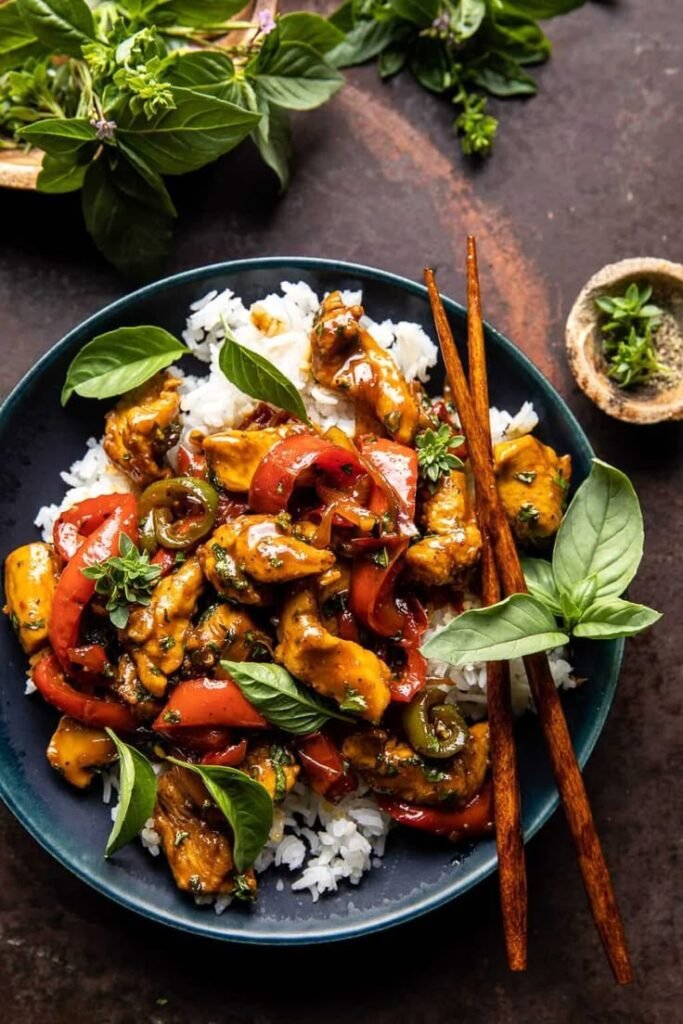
x,y
570,785
506,803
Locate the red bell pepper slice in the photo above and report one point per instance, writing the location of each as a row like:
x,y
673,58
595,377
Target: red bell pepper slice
x,y
398,467
207,702
324,766
231,756
414,675
289,463
52,684
371,590
191,463
469,823
74,590
92,658
80,521
165,559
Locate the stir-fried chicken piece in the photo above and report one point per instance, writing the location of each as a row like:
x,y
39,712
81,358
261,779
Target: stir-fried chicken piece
x,y
532,483
347,358
128,688
141,428
233,455
249,553
155,634
193,836
225,631
453,541
274,767
31,575
391,766
76,750
351,675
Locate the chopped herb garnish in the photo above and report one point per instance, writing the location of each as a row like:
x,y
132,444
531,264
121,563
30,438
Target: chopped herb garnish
x,y
171,716
124,579
526,478
435,457
528,513
166,643
353,700
275,562
381,558
243,891
179,558
180,837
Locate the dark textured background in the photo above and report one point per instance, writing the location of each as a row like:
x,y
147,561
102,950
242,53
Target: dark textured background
x,y
586,173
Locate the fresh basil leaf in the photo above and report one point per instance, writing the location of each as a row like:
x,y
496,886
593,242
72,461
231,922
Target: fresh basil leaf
x,y
431,65
257,377
59,136
58,176
199,14
513,628
118,361
63,25
419,12
343,17
502,76
205,71
612,618
246,805
158,197
199,130
364,41
601,534
17,41
392,60
125,216
541,583
305,27
273,138
275,693
468,18
519,38
583,594
137,795
294,76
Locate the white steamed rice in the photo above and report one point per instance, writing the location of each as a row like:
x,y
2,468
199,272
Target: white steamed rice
x,y
323,844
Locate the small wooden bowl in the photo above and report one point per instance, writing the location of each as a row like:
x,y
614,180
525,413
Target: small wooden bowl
x,y
19,168
584,349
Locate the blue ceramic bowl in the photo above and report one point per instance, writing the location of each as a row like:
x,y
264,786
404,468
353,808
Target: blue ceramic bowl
x,y
38,438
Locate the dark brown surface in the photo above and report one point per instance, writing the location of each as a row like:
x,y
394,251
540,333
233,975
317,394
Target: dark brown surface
x,y
586,173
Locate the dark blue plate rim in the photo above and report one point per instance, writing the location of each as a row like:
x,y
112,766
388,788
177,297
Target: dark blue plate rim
x,y
379,920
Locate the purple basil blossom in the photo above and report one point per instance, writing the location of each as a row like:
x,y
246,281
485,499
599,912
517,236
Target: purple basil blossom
x,y
104,129
266,22
442,23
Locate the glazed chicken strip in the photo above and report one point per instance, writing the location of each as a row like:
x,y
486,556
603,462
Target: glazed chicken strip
x,y
233,455
453,541
225,631
274,767
196,845
347,358
31,574
390,766
155,634
76,750
258,550
141,428
336,668
532,482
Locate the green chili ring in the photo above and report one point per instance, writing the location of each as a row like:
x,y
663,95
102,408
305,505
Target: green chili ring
x,y
434,729
163,497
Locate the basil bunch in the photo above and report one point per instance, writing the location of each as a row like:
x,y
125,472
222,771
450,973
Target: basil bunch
x,y
457,48
123,94
597,552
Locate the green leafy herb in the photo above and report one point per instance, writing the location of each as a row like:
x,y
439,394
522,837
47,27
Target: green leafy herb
x,y
151,88
245,803
597,553
120,360
435,457
137,795
257,377
460,49
124,579
276,694
528,513
628,342
353,701
517,626
381,558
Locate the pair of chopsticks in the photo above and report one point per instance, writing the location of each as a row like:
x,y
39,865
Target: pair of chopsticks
x,y
502,571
